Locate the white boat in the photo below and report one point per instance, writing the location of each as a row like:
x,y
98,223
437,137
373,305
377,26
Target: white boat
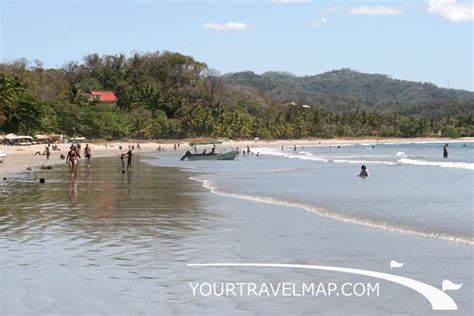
x,y
212,155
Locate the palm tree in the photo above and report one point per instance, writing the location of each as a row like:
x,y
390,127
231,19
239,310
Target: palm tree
x,y
10,90
76,96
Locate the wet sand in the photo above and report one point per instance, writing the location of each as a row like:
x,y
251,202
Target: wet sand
x,y
107,243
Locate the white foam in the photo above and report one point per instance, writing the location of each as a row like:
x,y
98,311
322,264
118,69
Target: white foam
x,y
443,164
337,216
379,162
402,160
310,156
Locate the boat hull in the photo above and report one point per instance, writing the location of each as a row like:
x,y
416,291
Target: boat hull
x,y
225,156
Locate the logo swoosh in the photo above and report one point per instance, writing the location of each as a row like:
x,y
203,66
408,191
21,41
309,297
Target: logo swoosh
x,y
437,298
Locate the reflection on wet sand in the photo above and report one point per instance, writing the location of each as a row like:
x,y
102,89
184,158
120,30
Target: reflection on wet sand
x,y
100,202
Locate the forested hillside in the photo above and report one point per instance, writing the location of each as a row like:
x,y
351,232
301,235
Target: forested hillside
x,y
344,90
170,95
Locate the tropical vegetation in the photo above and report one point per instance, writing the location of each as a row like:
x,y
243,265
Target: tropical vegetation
x,y
170,95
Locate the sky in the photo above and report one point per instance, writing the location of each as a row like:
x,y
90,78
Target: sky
x,y
425,40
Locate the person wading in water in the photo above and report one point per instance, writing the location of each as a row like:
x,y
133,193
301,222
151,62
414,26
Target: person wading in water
x,y
88,154
129,159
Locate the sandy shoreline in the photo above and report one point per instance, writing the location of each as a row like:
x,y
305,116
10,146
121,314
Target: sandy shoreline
x,y
23,158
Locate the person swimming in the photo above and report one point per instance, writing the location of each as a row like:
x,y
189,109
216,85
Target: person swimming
x,y
364,172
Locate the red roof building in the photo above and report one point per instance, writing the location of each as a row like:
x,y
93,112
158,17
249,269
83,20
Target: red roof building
x,y
102,96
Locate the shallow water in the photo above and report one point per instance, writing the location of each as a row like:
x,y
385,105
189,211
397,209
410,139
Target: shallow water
x,y
411,187
107,243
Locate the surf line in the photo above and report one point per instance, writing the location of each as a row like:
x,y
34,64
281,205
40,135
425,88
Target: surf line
x,y
341,217
437,298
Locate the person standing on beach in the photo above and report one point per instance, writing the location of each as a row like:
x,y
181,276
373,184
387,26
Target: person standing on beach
x,y
364,172
122,162
88,153
445,151
71,159
129,159
48,153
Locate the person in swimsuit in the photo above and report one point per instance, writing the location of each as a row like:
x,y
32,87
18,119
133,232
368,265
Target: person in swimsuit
x,y
88,154
445,151
71,159
122,162
364,173
129,159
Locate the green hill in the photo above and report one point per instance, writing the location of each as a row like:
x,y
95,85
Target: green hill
x,y
345,90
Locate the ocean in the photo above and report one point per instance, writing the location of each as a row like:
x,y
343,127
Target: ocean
x,y
412,189
112,243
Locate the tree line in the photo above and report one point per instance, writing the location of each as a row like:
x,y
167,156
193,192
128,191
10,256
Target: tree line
x,y
170,95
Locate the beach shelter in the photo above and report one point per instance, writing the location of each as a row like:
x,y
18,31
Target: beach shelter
x,y
77,139
11,136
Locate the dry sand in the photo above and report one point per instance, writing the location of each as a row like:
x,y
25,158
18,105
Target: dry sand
x,y
22,158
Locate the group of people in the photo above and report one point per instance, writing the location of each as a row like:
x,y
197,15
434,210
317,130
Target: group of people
x,y
73,156
129,156
248,152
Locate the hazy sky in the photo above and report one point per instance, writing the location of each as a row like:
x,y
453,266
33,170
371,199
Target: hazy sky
x,y
413,40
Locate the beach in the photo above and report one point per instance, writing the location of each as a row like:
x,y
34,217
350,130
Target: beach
x,y
22,157
109,243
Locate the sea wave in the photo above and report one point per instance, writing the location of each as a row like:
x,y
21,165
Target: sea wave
x,y
386,226
310,156
443,164
403,160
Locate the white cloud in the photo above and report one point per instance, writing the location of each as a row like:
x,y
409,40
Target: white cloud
x,y
322,21
375,10
452,10
227,26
